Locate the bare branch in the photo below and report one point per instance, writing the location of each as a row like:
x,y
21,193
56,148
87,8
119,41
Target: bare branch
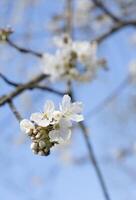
x,y
35,86
91,152
100,4
45,88
69,21
117,27
94,160
21,88
69,18
23,50
14,110
11,83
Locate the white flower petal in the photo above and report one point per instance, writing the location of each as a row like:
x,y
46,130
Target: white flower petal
x,y
71,111
39,119
66,102
64,123
65,135
49,107
77,107
77,118
43,123
57,115
26,125
60,136
36,117
54,135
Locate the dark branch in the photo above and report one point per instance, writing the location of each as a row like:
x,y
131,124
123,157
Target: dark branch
x,y
40,87
114,29
94,160
49,89
23,50
69,18
33,84
99,4
11,83
21,88
88,143
91,152
14,110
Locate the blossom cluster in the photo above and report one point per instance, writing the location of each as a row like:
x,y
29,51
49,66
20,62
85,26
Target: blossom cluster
x,y
73,60
52,126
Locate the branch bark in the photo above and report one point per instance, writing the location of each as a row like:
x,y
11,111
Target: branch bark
x,y
9,97
14,110
99,4
23,50
116,27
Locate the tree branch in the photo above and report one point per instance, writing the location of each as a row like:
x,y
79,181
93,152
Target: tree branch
x,y
11,83
69,18
45,88
99,4
35,86
23,50
14,110
117,27
21,88
82,126
92,156
94,160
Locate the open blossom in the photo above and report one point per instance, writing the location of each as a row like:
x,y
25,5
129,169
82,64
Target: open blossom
x,y
71,110
69,58
45,118
62,131
51,65
52,126
86,52
26,125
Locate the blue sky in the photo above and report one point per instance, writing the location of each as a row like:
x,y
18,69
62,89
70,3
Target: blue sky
x,y
24,176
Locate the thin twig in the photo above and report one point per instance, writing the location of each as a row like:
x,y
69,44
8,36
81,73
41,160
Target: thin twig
x,y
14,110
69,18
102,6
92,154
23,50
35,86
48,89
18,90
11,83
94,160
82,126
116,27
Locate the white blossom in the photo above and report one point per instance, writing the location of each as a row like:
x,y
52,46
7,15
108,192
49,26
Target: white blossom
x,y
71,110
26,126
45,118
51,66
64,64
52,126
86,52
62,131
